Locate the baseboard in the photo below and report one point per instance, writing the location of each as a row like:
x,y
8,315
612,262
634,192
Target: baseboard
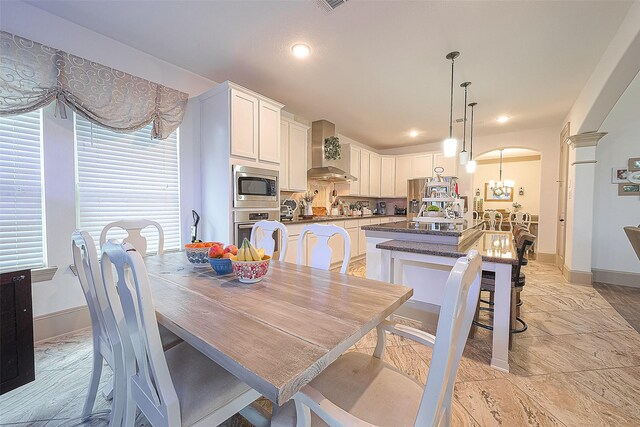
x,y
60,323
577,277
616,277
546,258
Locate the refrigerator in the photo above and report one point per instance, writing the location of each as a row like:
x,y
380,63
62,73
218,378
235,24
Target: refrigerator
x,y
415,193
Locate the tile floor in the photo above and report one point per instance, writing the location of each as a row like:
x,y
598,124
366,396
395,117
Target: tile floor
x,y
578,364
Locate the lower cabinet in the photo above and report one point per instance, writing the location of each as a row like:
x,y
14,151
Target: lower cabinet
x,y
292,249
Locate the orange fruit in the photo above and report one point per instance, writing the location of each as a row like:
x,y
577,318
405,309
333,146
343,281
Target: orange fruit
x,y
199,245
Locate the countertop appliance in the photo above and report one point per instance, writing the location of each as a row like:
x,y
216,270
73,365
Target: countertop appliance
x,y
255,188
415,194
381,208
399,210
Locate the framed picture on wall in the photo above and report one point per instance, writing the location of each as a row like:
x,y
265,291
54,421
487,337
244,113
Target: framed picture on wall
x,y
619,175
634,164
628,189
491,196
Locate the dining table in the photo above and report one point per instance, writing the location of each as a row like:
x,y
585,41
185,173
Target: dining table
x,y
278,334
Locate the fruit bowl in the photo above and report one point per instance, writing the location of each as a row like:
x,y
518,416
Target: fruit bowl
x,y
251,271
199,257
221,265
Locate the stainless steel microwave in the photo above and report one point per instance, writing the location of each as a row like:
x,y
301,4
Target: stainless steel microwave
x,y
255,188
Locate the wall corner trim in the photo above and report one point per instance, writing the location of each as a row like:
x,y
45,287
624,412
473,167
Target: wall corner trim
x,y
60,323
613,277
577,277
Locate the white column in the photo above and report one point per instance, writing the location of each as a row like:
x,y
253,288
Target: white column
x,y
580,199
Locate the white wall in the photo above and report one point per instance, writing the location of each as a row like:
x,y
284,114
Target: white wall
x,y
611,249
546,142
525,174
63,292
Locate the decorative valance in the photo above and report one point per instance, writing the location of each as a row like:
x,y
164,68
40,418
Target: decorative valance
x,y
33,75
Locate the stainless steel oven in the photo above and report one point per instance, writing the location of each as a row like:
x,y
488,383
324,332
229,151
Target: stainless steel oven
x,y
243,223
255,188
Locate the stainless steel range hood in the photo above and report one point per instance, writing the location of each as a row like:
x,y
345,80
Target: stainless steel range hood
x,y
321,170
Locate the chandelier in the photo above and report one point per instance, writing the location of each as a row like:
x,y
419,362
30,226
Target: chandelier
x,y
501,188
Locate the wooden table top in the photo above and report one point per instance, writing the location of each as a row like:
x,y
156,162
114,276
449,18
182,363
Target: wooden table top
x,y
494,246
277,334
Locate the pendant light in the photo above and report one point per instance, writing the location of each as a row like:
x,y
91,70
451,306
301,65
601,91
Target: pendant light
x,y
500,188
471,164
464,156
450,145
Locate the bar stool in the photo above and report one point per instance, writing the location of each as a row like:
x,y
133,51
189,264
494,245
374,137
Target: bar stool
x,y
487,283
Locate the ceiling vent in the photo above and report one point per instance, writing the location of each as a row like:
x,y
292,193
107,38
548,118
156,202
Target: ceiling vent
x,y
329,5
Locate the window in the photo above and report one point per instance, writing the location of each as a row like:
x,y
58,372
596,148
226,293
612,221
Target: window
x,y
127,176
21,199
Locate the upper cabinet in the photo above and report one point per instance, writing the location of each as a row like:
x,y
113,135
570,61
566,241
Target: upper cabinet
x,y
450,164
403,173
293,156
269,132
422,166
375,165
354,169
244,124
365,171
388,177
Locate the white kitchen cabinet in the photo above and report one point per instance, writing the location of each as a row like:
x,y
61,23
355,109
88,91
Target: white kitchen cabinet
x,y
403,173
268,132
244,124
293,156
353,235
388,176
422,165
362,240
292,249
284,155
375,166
365,171
297,157
354,186
450,164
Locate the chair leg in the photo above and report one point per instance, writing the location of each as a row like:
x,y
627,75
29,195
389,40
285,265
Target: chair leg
x,y
476,317
512,317
94,383
107,391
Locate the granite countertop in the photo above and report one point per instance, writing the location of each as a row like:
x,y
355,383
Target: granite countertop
x,y
494,246
326,218
412,227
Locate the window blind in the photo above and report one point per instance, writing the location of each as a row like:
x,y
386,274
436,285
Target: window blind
x,y
21,201
127,176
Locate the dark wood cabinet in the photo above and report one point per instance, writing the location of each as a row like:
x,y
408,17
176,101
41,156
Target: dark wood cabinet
x,y
16,330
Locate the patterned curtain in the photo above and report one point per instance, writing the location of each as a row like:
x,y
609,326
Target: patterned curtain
x,y
32,75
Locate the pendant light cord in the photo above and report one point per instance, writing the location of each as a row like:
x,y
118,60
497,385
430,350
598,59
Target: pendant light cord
x,y
464,125
451,109
471,136
500,166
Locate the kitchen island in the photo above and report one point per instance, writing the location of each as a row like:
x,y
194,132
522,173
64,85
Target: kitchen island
x,y
421,256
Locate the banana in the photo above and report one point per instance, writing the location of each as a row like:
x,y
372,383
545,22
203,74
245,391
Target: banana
x,y
241,256
261,253
254,253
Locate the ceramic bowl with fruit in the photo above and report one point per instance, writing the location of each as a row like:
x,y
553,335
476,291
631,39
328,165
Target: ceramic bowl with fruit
x,y
250,264
220,258
198,253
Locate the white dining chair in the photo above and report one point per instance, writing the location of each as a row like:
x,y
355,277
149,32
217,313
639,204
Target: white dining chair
x,y
495,220
520,218
134,227
320,255
361,390
85,259
262,237
179,387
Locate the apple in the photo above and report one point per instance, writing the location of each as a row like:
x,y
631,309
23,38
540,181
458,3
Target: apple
x,y
231,249
227,255
216,251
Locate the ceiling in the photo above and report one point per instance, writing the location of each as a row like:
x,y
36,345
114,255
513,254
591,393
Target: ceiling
x,y
508,153
377,69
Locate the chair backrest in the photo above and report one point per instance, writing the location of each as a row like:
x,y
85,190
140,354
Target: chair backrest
x,y
262,237
320,254
133,228
520,218
633,233
85,259
456,314
475,215
147,370
495,219
524,240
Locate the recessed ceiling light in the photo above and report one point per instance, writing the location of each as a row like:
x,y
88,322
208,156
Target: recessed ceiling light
x,y
413,133
300,50
502,119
